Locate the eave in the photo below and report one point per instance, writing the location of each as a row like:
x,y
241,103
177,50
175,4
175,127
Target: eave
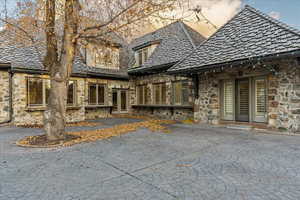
x,y
5,66
151,70
210,68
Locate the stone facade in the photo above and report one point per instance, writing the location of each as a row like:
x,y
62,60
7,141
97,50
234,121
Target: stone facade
x,y
104,111
207,106
283,94
34,115
284,97
176,113
4,96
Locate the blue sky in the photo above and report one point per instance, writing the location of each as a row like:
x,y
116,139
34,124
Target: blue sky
x,y
289,9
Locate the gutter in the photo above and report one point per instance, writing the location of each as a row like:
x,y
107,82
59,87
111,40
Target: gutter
x,y
195,70
151,70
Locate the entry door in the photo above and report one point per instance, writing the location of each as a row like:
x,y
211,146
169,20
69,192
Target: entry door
x,y
242,100
123,100
115,100
120,100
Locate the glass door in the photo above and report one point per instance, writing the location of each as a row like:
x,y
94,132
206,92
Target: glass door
x,y
124,100
228,100
260,100
115,100
120,100
242,100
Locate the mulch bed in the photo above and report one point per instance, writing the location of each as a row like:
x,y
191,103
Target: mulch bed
x,y
94,135
41,141
71,124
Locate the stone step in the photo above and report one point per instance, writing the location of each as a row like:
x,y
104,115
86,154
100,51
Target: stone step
x,y
240,127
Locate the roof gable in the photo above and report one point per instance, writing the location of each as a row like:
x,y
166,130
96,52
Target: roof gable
x,y
249,34
175,42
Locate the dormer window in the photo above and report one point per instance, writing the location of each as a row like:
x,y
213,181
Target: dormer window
x,y
143,55
102,56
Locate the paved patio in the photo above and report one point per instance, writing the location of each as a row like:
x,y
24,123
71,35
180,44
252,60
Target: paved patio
x,y
191,163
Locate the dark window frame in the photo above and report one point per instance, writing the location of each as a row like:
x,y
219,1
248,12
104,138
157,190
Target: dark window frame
x,y
45,85
162,100
145,99
181,93
97,85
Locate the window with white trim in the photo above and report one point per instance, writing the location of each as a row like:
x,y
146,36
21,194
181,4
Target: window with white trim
x,y
143,55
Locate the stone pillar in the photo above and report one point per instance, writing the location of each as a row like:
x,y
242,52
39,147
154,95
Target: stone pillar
x,y
207,106
4,96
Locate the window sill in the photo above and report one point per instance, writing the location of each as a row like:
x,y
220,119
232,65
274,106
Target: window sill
x,y
97,106
164,106
35,108
42,108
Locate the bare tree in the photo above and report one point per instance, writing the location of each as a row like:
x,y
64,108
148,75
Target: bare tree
x,y
63,24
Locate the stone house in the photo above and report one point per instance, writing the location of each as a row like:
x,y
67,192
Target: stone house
x,y
157,93
98,86
248,71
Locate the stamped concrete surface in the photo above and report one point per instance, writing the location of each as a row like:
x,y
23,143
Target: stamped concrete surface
x,y
191,163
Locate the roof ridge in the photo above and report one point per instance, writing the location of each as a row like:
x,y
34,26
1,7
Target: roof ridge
x,y
187,34
205,41
274,21
161,28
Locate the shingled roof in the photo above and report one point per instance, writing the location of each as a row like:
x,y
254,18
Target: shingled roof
x,y
175,42
251,34
30,59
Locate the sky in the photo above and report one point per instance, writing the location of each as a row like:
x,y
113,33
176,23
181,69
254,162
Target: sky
x,y
220,11
288,11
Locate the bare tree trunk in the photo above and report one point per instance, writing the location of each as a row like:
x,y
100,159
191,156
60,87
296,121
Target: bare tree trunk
x,y
60,69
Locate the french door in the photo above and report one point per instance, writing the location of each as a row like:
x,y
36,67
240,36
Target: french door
x,y
242,100
245,99
120,100
260,99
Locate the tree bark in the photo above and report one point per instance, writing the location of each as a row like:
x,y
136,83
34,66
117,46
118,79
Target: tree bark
x,y
60,68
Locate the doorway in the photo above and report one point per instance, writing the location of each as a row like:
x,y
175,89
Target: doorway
x,y
245,99
242,100
120,100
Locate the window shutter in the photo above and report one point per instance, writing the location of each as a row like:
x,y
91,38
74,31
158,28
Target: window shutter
x,y
260,100
228,100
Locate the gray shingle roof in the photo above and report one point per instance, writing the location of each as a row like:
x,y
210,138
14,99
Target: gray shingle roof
x,y
176,41
250,34
30,58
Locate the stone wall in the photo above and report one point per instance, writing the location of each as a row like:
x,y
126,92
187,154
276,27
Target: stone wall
x,y
284,97
283,103
166,113
4,96
34,115
101,112
207,106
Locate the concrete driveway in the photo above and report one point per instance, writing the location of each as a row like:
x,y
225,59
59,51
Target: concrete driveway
x,y
191,163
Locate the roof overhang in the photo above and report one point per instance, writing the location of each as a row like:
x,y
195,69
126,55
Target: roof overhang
x,y
81,75
5,66
146,44
210,68
151,70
